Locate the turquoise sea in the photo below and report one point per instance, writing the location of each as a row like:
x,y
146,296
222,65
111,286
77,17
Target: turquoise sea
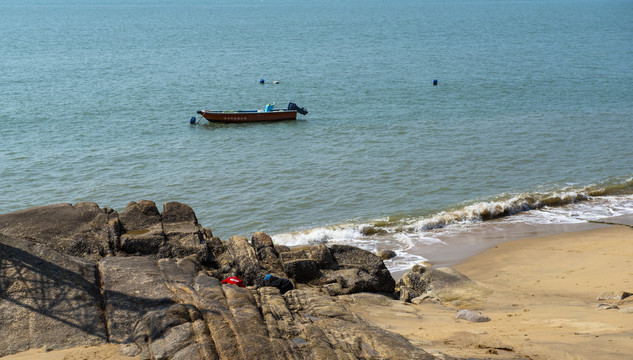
x,y
531,119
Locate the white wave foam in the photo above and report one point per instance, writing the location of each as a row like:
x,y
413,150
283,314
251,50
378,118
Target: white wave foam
x,y
401,236
417,238
403,261
599,207
318,236
351,234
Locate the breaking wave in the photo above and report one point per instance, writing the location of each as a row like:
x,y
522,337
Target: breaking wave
x,y
568,204
506,206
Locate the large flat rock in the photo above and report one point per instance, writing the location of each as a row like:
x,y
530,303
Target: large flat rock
x,y
47,299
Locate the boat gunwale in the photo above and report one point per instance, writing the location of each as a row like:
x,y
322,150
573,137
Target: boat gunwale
x,y
245,111
246,116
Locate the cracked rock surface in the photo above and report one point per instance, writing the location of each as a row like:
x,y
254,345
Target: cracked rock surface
x,y
77,275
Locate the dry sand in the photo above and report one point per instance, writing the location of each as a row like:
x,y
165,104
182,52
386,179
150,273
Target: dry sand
x,y
102,352
543,304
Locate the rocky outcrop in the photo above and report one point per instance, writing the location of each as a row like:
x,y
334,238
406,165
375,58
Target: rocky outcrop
x,y
83,275
47,299
240,259
82,229
86,230
174,233
228,322
336,269
267,252
339,269
172,309
442,284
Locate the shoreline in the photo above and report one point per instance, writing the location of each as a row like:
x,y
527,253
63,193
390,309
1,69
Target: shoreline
x,y
458,248
544,301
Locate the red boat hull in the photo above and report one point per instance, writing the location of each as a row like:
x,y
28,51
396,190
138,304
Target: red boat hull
x,y
248,116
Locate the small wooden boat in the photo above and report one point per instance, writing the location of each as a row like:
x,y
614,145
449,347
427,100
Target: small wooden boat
x,y
240,116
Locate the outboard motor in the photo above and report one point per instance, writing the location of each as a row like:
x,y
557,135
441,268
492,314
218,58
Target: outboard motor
x,y
300,110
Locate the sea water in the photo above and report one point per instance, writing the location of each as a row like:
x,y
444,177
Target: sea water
x,y
531,118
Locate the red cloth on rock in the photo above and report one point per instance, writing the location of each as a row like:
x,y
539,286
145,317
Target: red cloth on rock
x,y
233,280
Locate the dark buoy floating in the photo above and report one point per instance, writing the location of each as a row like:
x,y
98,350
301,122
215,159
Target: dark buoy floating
x,y
261,81
192,120
434,82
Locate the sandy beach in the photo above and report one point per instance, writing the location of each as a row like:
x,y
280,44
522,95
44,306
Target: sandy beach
x,y
102,352
543,305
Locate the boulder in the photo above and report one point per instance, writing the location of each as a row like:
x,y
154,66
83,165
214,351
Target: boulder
x,y
266,253
386,254
142,227
302,270
361,271
353,280
281,248
472,316
607,307
613,295
261,240
82,229
184,235
240,259
175,212
140,216
443,284
339,269
320,254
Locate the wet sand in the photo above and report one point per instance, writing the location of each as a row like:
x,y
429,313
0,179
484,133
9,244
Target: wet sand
x,y
543,304
460,247
457,248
